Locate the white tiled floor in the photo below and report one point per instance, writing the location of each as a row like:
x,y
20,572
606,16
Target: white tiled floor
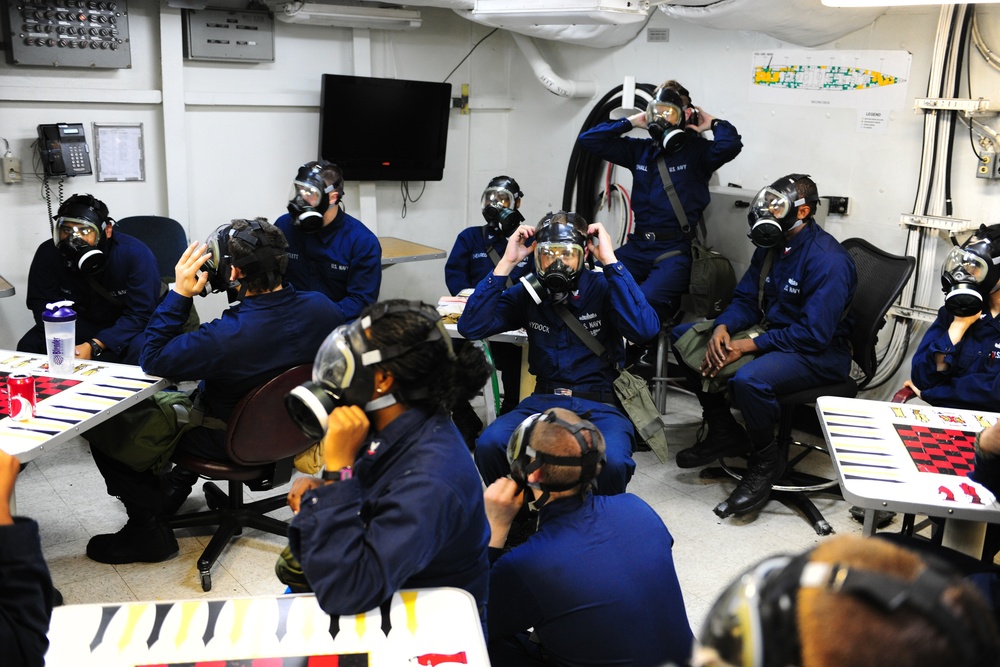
x,y
64,492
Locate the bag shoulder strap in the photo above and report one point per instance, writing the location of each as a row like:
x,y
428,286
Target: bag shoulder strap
x,y
581,332
764,270
102,292
675,201
494,256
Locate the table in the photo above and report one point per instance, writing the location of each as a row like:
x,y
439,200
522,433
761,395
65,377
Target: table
x,y
911,459
518,337
397,251
435,626
68,404
6,289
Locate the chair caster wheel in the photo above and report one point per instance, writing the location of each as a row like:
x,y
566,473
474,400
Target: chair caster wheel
x,y
206,581
823,527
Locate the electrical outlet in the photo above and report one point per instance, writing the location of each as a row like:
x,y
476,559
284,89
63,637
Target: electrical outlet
x,y
838,205
987,165
11,170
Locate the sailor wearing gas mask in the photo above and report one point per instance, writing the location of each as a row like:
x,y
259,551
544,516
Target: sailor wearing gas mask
x,y
476,252
110,277
958,361
569,375
802,302
329,251
573,586
675,128
399,504
273,328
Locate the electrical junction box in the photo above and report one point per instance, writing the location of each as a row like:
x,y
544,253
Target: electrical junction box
x,y
220,34
67,33
559,12
987,165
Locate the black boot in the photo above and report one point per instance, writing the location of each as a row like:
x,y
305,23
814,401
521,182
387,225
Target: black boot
x,y
764,468
641,360
176,486
725,438
145,538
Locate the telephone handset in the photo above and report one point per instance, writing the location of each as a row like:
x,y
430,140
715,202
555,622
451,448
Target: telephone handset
x,y
64,150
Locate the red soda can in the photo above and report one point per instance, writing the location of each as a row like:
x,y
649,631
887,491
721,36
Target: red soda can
x,y
20,397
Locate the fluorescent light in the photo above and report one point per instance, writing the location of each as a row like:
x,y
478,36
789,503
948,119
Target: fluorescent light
x,y
900,3
348,16
559,12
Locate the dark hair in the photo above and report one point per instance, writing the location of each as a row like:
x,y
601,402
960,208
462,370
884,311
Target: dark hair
x,y
806,189
555,440
681,90
268,274
330,173
429,363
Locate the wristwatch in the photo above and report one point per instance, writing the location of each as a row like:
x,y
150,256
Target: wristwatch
x,y
346,472
95,349
715,121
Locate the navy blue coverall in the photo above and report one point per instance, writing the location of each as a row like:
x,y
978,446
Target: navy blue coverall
x,y
657,230
972,379
806,298
411,517
130,277
610,305
343,260
598,585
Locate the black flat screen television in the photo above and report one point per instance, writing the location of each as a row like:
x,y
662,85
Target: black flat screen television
x,y
384,129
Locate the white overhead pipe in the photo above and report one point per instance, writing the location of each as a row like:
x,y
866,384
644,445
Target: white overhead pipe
x,y
556,84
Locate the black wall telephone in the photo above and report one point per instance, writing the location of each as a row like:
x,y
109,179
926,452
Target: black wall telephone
x,y
64,150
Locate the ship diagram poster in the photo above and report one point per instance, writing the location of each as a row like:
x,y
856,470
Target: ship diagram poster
x,y
833,79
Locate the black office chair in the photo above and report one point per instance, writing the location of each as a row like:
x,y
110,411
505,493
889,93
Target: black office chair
x,y
261,441
881,278
164,236
168,241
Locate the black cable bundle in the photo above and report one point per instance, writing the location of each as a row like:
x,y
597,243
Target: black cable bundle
x,y
583,172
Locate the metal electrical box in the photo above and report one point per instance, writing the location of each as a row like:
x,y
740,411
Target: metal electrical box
x,y
231,35
67,33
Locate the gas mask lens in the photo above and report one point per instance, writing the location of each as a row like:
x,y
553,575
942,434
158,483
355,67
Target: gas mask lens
x,y
771,204
732,634
74,228
305,195
965,266
497,198
548,254
310,404
664,114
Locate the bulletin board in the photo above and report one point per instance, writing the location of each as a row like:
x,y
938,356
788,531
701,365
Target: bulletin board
x,y
119,152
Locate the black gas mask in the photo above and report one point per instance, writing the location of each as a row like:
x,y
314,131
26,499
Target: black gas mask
x,y
79,234
560,239
309,196
970,273
524,459
666,118
344,369
775,209
754,622
500,205
263,260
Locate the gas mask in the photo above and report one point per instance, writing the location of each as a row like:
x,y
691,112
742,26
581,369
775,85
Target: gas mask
x,y
309,197
79,234
753,623
344,370
970,273
775,210
666,118
499,203
560,239
524,459
263,259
